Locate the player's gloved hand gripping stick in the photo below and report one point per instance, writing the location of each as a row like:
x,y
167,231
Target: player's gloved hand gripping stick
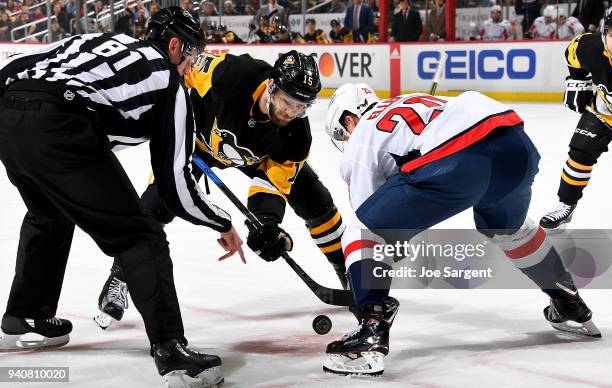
x,y
326,295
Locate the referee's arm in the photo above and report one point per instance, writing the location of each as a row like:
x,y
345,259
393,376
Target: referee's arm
x,y
171,149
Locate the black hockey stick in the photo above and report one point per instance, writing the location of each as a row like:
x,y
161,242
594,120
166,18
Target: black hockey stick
x,y
327,295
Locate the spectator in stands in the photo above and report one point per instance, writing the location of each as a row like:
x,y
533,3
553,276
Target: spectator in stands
x,y
153,9
61,16
314,34
5,27
406,25
530,9
187,5
209,9
13,6
57,33
272,9
359,17
338,33
24,33
102,21
436,22
567,28
588,12
228,8
125,22
248,9
71,8
140,26
140,5
496,28
544,27
336,6
41,21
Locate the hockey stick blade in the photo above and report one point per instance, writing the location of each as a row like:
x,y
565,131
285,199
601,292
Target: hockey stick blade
x,y
327,295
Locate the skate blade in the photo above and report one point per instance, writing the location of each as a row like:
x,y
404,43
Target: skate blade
x,y
211,377
587,328
366,364
103,320
18,342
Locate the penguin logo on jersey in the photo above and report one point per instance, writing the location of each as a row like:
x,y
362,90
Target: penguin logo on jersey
x,y
223,145
605,95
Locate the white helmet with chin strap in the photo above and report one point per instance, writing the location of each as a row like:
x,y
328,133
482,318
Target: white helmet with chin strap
x,y
349,98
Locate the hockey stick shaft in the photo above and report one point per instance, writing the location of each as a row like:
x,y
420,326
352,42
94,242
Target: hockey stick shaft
x,y
326,295
438,74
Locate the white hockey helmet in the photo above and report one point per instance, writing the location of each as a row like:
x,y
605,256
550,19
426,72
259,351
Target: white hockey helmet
x,y
496,8
348,98
550,11
561,12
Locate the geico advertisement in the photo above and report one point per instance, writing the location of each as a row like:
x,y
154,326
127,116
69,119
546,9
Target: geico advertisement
x,y
524,66
337,64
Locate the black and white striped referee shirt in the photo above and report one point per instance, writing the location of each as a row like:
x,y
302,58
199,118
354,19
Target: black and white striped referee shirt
x,y
137,95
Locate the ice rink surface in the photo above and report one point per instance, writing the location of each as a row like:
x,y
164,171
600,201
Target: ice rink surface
x,y
258,316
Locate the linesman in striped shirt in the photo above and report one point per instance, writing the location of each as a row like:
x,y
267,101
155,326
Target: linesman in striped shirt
x,y
64,110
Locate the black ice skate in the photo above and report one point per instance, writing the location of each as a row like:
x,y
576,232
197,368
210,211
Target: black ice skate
x,y
26,333
561,214
572,316
113,300
362,351
180,366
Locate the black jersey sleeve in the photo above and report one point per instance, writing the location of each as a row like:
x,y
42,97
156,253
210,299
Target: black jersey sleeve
x,y
172,144
577,56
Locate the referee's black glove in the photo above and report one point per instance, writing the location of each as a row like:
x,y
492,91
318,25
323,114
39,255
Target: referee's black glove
x,y
578,93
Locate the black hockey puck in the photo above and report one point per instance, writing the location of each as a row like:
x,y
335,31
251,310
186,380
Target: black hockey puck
x,y
321,324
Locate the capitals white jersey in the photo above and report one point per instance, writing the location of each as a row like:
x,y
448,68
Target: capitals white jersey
x,y
540,30
496,31
570,29
405,133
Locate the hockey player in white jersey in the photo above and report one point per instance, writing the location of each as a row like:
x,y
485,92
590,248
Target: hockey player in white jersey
x,y
567,27
496,27
413,161
544,27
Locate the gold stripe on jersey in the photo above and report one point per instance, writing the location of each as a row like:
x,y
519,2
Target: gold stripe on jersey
x,y
200,74
571,56
259,189
281,175
578,166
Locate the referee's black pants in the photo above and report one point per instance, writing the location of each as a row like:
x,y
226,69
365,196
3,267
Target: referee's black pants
x,y
67,176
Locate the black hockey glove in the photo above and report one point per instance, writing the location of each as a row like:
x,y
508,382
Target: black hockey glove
x,y
269,241
578,94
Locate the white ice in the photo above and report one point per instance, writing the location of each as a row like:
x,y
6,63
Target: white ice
x,y
258,316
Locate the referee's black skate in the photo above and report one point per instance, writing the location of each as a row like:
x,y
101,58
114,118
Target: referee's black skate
x,y
26,333
113,300
180,366
362,351
560,215
571,316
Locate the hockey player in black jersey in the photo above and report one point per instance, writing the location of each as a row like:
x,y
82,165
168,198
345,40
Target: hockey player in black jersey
x,y
64,109
252,116
589,59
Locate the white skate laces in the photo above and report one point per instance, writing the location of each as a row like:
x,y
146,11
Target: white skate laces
x,y
560,212
117,293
